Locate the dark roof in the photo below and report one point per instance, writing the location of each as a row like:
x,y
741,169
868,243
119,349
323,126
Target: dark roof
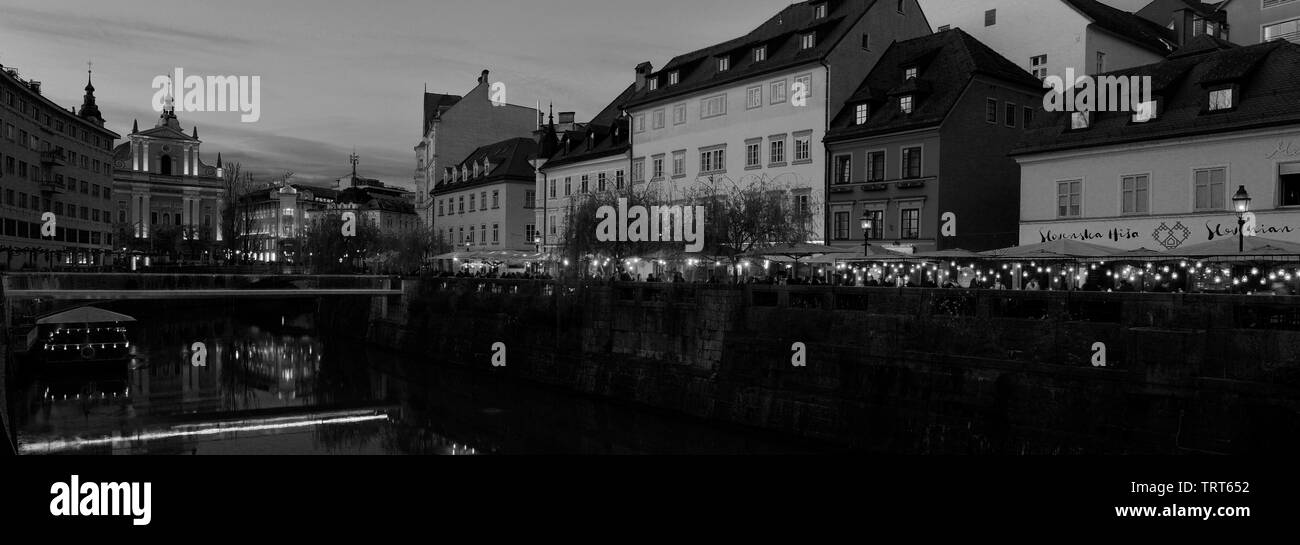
x,y
434,105
945,62
509,159
698,69
1159,11
1265,74
1201,44
598,139
1128,26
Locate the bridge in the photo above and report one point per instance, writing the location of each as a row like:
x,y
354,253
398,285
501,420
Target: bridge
x,y
94,286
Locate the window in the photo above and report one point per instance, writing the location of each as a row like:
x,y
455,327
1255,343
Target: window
x,y
905,104
843,169
877,231
657,168
1287,30
1038,66
1289,184
819,11
568,186
724,64
753,155
991,111
460,204
674,77
991,17
496,233
945,28
659,117
1221,99
470,239
1136,194
866,41
679,114
1211,188
602,180
778,90
912,162
638,170
552,189
640,123
901,4
1011,115
713,106
530,233
911,223
803,203
1028,116
760,53
910,73
776,151
1069,199
1144,111
1080,120
753,97
654,84
471,202
482,234
841,226
552,224
808,41
679,164
496,199
861,113
440,207
530,199
618,179
712,161
1101,62
806,80
876,166
803,147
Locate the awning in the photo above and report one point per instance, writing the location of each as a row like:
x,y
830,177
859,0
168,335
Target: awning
x,y
84,315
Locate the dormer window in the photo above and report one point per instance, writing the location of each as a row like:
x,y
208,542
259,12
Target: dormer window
x,y
674,77
476,170
1145,111
724,64
654,84
1222,99
760,53
1080,120
808,41
861,113
910,73
819,11
906,104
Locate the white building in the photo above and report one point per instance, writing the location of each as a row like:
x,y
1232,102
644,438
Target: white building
x,y
757,107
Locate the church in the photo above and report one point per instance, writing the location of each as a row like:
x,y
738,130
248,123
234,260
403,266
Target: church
x,y
164,189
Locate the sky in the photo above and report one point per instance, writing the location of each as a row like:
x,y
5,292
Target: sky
x,y
339,75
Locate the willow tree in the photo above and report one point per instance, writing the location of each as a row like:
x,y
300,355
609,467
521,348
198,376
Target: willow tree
x,y
746,216
579,240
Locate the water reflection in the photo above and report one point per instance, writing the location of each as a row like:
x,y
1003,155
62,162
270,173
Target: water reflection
x,y
272,384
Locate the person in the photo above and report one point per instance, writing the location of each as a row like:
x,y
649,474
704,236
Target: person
x,y
678,278
1033,285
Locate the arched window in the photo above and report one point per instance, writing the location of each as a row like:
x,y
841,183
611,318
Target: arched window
x,y
165,165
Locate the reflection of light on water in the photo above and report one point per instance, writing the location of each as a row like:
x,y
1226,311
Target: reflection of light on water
x,y
206,429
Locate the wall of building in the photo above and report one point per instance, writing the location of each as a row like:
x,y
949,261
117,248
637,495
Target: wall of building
x,y
1247,18
509,218
1251,158
1120,54
1023,30
893,199
850,63
554,212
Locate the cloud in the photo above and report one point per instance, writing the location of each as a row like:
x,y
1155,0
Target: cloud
x,y
119,32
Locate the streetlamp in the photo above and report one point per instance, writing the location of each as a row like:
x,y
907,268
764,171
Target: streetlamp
x,y
867,223
1241,201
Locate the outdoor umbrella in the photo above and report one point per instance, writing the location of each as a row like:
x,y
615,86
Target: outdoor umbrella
x,y
1056,249
1257,248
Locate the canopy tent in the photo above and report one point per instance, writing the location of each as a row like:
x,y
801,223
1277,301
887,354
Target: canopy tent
x,y
1257,249
948,255
1056,249
872,253
84,315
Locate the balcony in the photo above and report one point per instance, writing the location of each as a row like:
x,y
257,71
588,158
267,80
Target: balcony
x,y
51,185
53,158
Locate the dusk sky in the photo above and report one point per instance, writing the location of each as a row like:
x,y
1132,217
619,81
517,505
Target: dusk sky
x,y
343,73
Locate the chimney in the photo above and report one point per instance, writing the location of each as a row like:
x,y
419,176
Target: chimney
x,y
566,118
483,78
643,71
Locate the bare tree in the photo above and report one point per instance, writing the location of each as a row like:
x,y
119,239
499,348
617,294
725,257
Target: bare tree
x,y
750,215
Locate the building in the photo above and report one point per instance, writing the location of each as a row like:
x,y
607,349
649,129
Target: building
x,y
756,108
1254,21
164,190
456,126
58,161
389,210
485,202
578,160
1187,19
924,142
273,220
1047,37
1226,117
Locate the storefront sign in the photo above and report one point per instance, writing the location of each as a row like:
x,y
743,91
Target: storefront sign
x,y
1162,234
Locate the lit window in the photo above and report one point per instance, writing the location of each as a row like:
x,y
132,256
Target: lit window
x,y
1080,120
654,84
1221,100
863,111
1038,65
808,41
674,77
905,104
760,54
724,64
909,73
819,12
1144,112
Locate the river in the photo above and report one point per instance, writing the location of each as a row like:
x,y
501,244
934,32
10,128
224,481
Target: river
x,y
270,383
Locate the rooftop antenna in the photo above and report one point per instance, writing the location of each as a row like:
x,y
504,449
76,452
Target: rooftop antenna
x,y
354,159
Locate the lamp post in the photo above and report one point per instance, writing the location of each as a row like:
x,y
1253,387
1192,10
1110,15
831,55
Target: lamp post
x,y
1241,201
867,223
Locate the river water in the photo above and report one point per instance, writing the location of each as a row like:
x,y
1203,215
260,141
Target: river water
x,y
269,383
